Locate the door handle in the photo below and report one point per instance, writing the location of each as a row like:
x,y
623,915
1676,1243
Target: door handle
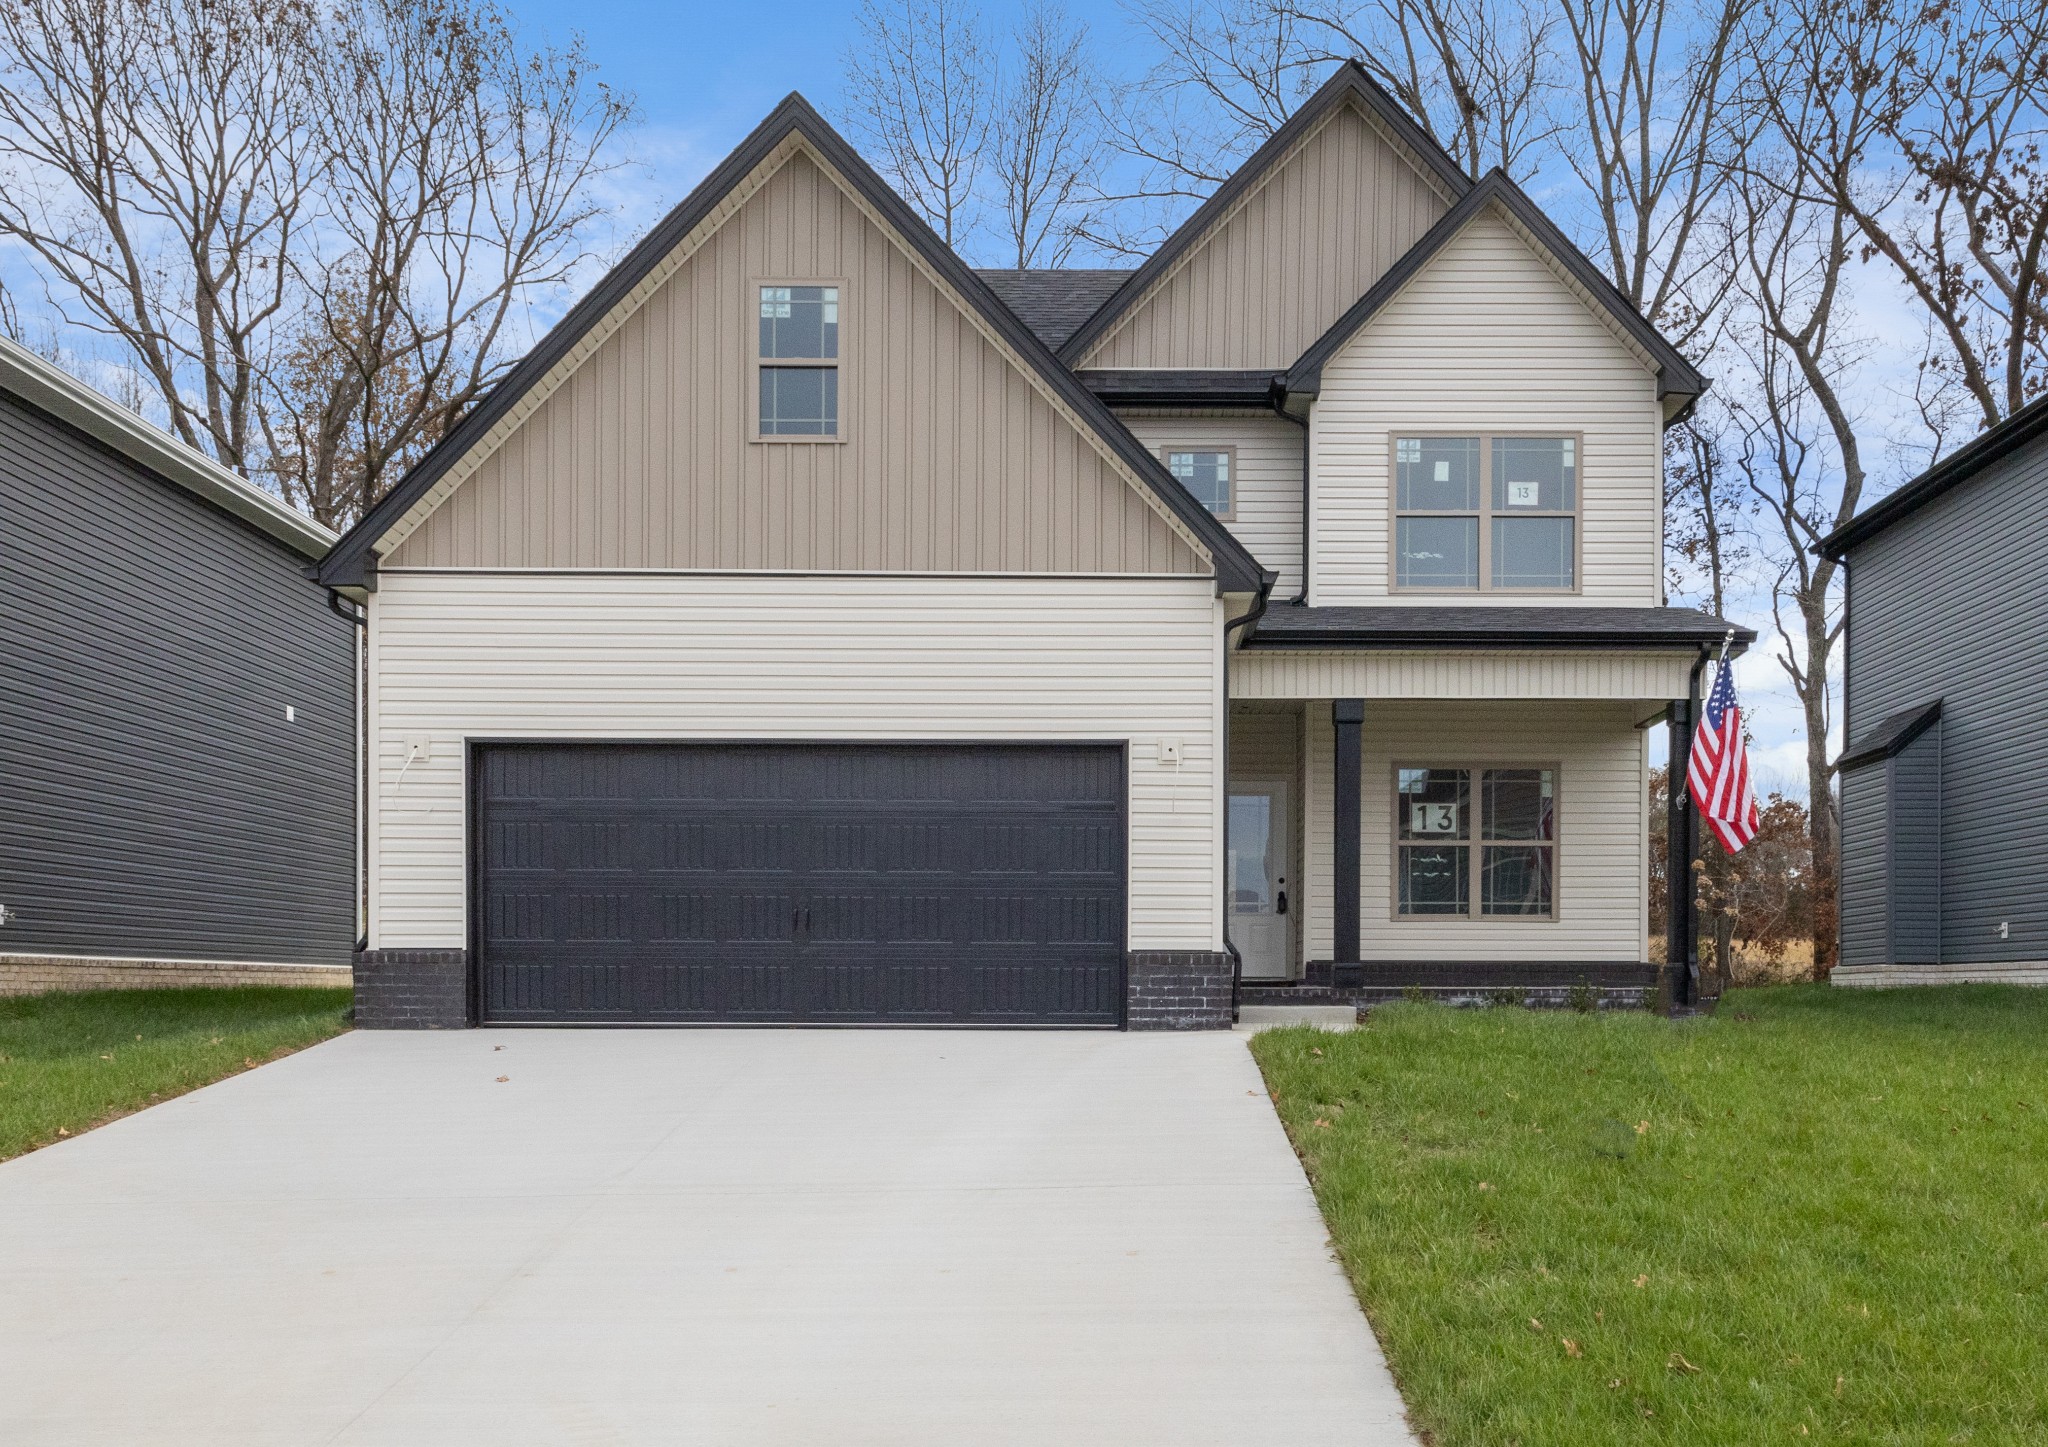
x,y
1280,903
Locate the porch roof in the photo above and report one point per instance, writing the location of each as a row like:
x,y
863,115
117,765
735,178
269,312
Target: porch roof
x,y
1297,626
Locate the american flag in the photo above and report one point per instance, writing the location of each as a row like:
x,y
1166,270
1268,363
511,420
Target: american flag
x,y
1719,772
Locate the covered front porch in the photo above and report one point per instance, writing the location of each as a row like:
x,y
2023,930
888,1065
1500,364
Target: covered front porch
x,y
1468,819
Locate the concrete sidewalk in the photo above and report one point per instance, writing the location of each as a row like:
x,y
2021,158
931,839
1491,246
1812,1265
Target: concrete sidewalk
x,y
689,1236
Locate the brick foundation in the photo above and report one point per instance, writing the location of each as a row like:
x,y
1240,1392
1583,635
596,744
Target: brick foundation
x,y
1179,990
44,974
412,990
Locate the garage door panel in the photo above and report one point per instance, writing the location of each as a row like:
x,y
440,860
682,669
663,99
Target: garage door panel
x,y
834,883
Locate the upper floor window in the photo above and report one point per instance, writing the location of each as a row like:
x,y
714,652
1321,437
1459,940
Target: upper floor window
x,y
1486,512
1207,473
798,359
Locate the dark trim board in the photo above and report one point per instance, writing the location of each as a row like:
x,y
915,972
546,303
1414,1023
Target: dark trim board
x,y
1074,996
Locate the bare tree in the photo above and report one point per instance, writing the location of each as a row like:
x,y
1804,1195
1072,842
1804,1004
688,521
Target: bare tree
x,y
1045,139
455,188
1478,74
158,169
1800,452
1706,507
1930,137
1656,129
919,83
234,190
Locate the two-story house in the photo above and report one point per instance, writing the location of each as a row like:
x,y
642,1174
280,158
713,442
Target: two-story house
x,y
814,629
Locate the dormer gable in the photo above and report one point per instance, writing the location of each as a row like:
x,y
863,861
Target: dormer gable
x,y
1319,213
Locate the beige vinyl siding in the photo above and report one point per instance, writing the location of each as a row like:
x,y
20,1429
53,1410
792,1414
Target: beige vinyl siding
x,y
1603,827
953,459
1475,673
1488,339
456,656
1267,485
1286,262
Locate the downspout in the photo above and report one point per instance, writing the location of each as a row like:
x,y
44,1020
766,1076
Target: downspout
x,y
1276,398
1244,620
360,617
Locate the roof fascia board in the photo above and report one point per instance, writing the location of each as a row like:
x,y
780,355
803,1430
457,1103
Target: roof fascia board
x,y
1674,373
51,389
1960,466
1348,83
795,123
1368,640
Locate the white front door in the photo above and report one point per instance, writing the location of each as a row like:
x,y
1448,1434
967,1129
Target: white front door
x,y
1260,896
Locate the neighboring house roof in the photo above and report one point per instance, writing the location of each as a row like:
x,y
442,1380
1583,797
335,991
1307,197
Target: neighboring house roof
x,y
1891,735
1292,625
27,376
352,562
1675,375
1053,301
1988,447
1349,83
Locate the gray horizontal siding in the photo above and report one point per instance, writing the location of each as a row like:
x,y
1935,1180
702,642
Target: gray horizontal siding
x,y
1949,604
1865,850
1915,870
157,803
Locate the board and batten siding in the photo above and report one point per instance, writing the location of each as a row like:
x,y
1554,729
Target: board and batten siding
x,y
594,655
1267,487
1947,604
953,459
1289,258
158,803
1487,338
1603,827
1449,673
1864,934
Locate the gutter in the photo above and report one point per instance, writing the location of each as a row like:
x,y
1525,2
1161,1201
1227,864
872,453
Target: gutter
x,y
1248,619
360,617
1276,398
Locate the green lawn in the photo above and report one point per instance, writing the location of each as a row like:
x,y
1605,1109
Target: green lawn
x,y
71,1062
1821,1215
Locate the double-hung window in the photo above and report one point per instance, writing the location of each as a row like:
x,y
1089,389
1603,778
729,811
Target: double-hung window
x,y
798,359
1475,843
1209,474
1484,513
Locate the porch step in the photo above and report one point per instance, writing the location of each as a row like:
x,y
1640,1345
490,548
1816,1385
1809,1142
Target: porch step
x,y
1253,1018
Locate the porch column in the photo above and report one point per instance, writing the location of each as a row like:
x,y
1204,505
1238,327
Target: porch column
x,y
1681,935
1347,714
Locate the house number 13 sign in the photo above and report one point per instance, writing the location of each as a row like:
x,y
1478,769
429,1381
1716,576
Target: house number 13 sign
x,y
1432,818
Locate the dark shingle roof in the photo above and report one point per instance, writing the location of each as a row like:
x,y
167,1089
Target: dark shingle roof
x,y
1891,735
1291,625
1054,302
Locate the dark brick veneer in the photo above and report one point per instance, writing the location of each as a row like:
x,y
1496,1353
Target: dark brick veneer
x,y
1179,990
412,989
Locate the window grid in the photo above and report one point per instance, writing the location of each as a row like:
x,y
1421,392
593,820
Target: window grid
x,y
1209,474
1485,506
796,361
1475,843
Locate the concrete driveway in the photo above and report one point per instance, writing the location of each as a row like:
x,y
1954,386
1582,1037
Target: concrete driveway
x,y
689,1237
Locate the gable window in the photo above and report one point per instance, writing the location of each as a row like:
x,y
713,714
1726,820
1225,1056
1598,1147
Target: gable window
x,y
1475,843
797,356
1208,474
1486,512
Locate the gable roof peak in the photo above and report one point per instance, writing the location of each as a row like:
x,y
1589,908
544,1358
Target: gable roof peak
x,y
1675,375
1347,84
352,561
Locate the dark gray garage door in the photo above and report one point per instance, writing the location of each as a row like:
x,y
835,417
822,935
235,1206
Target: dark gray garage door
x,y
825,883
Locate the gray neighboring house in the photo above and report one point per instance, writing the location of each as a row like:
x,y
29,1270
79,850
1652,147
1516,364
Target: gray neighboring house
x,y
177,710
1944,857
